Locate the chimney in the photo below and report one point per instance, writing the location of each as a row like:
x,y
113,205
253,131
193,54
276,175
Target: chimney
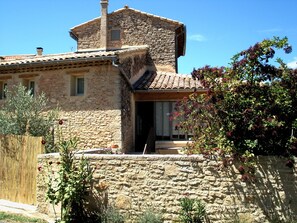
x,y
39,51
104,32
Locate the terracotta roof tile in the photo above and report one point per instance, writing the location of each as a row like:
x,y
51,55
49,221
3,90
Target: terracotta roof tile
x,y
154,81
28,59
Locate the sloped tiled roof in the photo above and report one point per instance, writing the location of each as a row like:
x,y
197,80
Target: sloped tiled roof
x,y
52,58
165,81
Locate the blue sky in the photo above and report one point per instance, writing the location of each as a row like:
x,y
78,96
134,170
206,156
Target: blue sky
x,y
216,29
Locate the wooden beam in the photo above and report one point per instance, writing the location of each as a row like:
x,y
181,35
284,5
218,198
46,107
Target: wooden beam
x,y
160,96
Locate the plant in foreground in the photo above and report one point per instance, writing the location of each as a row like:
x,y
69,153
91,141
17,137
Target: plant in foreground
x,y
25,114
112,215
149,216
71,185
192,210
14,218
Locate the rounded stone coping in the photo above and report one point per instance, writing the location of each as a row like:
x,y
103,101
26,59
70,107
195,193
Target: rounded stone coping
x,y
173,157
176,157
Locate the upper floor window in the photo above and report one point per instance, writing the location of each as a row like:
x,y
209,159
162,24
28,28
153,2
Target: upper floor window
x,y
115,35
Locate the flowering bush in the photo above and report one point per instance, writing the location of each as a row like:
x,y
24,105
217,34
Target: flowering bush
x,y
249,106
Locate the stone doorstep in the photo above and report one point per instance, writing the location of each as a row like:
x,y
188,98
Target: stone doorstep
x,y
24,209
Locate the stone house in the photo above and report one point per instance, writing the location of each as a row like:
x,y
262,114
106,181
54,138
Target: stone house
x,y
119,87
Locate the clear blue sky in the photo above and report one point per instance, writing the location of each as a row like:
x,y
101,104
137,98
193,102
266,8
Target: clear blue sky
x,y
216,29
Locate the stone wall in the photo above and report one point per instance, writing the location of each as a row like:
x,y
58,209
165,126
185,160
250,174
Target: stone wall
x,y
138,182
94,117
135,29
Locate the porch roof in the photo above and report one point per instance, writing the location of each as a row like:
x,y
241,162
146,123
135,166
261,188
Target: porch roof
x,y
167,82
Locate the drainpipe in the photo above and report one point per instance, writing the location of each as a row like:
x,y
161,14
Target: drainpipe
x,y
123,73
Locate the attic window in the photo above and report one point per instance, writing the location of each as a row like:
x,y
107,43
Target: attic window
x,y
115,35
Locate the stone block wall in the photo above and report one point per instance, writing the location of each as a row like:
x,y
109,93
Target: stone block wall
x,y
139,182
95,117
135,29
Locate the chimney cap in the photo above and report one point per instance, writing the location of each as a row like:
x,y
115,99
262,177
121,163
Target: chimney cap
x,y
39,51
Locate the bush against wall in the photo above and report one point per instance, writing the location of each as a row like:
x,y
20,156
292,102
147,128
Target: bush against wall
x,y
26,114
249,108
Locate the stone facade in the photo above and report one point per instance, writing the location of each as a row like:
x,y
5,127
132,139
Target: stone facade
x,y
103,115
138,182
136,29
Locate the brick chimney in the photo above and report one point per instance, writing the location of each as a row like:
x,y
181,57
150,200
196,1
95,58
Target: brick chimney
x,y
104,22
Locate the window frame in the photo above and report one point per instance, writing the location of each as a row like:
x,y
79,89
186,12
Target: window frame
x,y
75,89
3,86
78,86
27,83
115,35
175,134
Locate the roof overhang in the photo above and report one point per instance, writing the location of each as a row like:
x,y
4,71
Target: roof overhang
x,y
181,35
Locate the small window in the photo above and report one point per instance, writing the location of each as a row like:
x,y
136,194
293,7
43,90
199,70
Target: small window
x,y
115,35
77,85
80,86
3,86
30,85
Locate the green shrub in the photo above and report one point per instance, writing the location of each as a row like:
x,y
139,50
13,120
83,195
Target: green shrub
x,y
71,185
192,210
150,216
112,215
25,114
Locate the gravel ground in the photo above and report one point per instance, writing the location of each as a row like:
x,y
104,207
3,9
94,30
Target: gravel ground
x,y
23,209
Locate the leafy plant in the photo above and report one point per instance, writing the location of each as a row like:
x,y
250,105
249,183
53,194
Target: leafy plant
x,y
192,210
25,114
112,215
249,106
72,184
150,216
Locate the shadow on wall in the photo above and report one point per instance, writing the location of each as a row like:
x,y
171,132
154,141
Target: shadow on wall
x,y
274,192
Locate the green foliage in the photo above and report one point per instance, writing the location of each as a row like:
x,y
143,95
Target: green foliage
x,y
25,114
18,218
192,210
150,216
112,215
249,106
72,184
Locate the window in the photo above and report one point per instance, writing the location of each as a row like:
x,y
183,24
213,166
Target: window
x,y
3,86
115,35
167,129
80,86
30,85
77,85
